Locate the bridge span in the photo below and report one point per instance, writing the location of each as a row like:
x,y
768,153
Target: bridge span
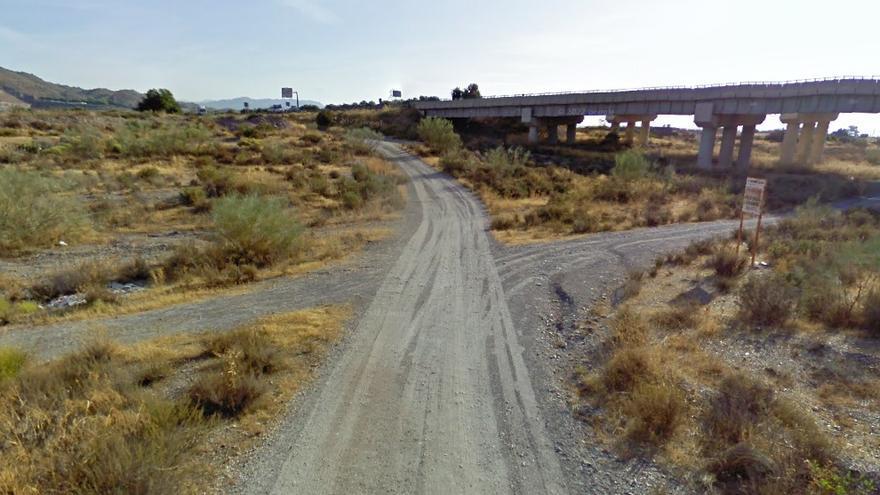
x,y
806,107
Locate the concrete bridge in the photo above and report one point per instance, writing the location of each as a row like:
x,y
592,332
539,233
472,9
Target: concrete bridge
x,y
806,107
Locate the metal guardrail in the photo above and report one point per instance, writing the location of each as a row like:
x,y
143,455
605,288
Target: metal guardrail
x,y
703,86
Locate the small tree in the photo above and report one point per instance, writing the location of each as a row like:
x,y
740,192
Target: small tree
x,y
456,93
472,91
159,100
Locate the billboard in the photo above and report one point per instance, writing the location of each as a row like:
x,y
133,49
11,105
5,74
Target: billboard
x,y
396,93
287,92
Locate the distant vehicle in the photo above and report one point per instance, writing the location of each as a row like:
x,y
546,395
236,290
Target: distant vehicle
x,y
202,110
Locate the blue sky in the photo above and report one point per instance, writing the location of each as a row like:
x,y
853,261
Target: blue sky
x,y
346,50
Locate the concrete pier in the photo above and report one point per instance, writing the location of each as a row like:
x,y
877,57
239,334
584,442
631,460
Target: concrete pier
x,y
571,133
728,141
707,146
790,139
805,143
746,139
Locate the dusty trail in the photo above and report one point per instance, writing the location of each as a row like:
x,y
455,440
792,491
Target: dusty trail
x,y
433,395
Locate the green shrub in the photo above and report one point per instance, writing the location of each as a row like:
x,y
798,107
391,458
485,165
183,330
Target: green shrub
x,y
34,213
766,300
11,362
324,119
362,140
873,156
196,197
502,157
83,142
438,134
254,229
630,165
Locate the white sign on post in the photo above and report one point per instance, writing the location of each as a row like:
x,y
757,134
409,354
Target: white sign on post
x,y
753,199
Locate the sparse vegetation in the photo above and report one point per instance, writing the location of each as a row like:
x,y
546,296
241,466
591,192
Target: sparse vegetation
x,y
721,394
93,179
104,420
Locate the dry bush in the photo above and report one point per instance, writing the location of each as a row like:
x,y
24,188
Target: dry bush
x,y
628,367
766,300
871,312
252,349
34,213
677,317
628,327
79,425
727,263
655,411
633,285
228,394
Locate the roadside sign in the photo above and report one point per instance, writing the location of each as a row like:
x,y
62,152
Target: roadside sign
x,y
753,204
753,199
287,92
396,93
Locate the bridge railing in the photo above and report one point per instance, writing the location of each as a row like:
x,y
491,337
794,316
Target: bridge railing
x,y
702,86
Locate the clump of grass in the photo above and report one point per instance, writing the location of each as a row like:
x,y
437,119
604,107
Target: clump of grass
x,y
78,425
252,349
677,317
227,394
11,362
34,213
727,263
871,312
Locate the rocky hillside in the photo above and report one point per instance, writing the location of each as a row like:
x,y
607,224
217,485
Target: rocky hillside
x,y
36,92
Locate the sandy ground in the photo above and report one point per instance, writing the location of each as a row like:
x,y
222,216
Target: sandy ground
x,y
452,377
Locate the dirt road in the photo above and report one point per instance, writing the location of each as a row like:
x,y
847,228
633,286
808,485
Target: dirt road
x,y
434,395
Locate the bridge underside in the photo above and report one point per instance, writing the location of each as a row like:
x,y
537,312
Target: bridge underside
x,y
807,109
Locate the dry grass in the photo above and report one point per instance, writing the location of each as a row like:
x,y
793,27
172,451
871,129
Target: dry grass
x,y
678,387
143,175
110,419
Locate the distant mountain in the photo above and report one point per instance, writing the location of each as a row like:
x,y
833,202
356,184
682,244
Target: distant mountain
x,y
253,103
32,90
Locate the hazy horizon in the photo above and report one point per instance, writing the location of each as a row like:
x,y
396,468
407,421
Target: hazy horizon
x,y
338,51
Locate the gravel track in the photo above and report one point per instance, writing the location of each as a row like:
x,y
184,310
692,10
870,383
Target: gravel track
x,y
453,376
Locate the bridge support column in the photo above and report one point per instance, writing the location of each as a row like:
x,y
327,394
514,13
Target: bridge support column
x,y
728,141
533,133
789,140
805,142
746,138
707,146
571,133
630,131
644,132
820,136
552,133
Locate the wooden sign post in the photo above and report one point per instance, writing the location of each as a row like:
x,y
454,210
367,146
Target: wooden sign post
x,y
753,204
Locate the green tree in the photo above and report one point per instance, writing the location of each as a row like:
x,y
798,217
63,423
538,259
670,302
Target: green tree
x,y
472,91
159,100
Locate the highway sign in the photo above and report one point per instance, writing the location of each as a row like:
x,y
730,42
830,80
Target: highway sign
x,y
753,199
287,92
